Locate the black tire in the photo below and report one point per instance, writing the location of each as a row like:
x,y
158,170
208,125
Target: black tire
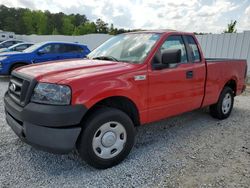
x,y
90,127
216,110
16,66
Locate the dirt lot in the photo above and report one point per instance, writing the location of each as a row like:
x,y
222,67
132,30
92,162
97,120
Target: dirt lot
x,y
191,150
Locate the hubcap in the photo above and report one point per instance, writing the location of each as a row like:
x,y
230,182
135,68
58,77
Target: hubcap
x,y
226,103
109,140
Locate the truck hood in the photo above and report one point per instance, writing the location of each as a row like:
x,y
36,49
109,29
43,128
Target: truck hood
x,y
68,70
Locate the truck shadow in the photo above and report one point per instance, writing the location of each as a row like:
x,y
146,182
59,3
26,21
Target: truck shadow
x,y
4,79
160,136
147,136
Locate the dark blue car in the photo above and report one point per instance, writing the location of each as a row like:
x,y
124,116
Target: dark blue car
x,y
41,52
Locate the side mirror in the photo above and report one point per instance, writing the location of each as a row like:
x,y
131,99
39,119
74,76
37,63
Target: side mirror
x,y
41,52
171,56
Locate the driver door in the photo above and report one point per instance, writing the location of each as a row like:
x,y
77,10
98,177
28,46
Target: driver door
x,y
170,89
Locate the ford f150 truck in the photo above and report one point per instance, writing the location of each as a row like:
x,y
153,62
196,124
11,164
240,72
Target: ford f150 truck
x,y
95,104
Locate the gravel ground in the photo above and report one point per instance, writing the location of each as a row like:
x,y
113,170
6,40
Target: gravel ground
x,y
191,150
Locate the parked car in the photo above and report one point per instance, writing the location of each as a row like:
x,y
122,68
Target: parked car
x,y
17,47
95,104
41,52
8,43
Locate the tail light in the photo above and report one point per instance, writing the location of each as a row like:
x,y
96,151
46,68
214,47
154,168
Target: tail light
x,y
246,73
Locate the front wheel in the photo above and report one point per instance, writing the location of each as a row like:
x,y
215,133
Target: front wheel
x,y
222,109
108,136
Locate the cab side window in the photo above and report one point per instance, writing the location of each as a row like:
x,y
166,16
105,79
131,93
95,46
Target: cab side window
x,y
194,50
175,43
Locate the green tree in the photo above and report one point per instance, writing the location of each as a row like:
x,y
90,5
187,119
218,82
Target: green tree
x,y
76,31
28,22
67,27
25,21
55,32
57,22
41,23
79,19
231,27
112,30
88,27
101,26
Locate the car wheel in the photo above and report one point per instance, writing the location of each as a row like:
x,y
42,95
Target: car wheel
x,y
222,109
108,136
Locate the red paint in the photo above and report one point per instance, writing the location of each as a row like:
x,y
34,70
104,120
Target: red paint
x,y
163,94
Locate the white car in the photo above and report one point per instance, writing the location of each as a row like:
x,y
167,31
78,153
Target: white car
x,y
17,47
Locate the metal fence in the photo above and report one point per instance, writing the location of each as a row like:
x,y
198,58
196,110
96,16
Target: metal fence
x,y
91,40
228,45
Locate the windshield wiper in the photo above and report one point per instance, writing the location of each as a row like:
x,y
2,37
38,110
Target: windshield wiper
x,y
106,58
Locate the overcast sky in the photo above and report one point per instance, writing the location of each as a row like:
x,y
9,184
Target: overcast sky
x,y
187,15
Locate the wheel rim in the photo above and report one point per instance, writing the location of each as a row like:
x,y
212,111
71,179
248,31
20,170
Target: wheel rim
x,y
226,103
109,140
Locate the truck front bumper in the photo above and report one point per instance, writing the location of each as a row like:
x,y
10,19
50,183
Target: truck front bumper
x,y
51,128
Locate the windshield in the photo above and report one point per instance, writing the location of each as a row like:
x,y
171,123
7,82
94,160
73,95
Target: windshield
x,y
15,45
126,47
33,48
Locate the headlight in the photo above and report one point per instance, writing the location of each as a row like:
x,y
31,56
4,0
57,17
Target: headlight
x,y
3,58
51,94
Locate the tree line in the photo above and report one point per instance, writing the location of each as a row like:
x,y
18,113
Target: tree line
x,y
26,21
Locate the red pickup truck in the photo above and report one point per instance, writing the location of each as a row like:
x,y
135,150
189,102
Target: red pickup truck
x,y
95,104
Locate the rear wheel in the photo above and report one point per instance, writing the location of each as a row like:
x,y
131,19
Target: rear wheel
x,y
222,109
107,138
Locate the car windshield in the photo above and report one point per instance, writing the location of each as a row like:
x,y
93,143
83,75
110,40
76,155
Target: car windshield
x,y
131,47
15,45
33,48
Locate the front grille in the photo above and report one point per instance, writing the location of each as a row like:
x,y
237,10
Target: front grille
x,y
20,89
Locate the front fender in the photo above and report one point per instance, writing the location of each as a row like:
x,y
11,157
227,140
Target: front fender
x,y
92,91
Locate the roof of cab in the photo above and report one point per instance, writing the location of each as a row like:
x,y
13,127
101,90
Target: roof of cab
x,y
160,31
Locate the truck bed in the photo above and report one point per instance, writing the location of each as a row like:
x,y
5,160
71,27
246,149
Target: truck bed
x,y
219,72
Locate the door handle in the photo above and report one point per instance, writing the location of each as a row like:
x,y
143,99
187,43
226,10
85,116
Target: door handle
x,y
189,74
